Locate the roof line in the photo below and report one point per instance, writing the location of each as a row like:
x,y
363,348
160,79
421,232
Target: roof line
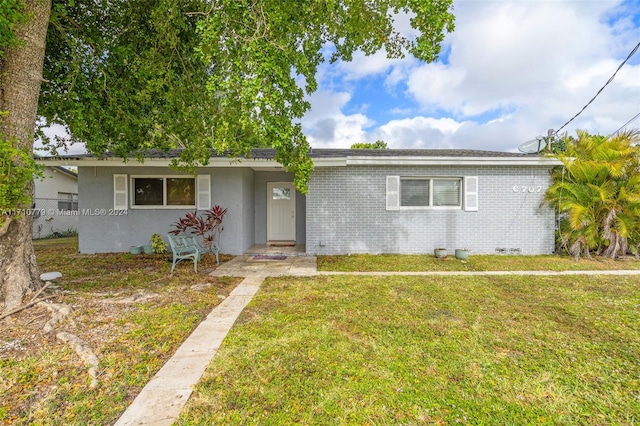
x,y
66,171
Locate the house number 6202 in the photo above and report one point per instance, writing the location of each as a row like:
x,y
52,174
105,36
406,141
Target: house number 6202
x,y
524,188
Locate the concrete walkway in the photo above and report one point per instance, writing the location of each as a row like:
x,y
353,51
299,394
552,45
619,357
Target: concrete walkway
x,y
163,398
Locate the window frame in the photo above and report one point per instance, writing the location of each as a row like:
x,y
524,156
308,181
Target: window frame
x,y
72,201
431,179
164,206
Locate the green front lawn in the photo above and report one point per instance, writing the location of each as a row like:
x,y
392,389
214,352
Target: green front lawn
x,y
429,350
338,349
427,262
44,382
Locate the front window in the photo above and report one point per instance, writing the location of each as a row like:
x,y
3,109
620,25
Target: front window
x,y
164,191
148,191
181,191
430,192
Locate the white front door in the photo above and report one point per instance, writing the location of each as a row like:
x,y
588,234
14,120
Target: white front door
x,y
281,211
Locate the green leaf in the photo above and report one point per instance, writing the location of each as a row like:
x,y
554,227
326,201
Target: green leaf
x,y
223,76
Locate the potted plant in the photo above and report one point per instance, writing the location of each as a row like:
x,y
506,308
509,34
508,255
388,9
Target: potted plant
x,y
440,253
462,254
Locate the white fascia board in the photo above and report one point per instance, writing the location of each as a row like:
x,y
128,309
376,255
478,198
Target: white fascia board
x,y
330,162
56,162
453,161
256,164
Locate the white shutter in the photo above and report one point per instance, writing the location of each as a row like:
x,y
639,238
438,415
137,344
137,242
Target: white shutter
x,y
471,193
120,192
393,192
204,192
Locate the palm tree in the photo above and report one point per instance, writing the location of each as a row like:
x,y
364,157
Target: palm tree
x,y
597,192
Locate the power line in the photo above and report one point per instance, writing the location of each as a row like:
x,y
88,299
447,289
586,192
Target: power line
x,y
601,89
624,125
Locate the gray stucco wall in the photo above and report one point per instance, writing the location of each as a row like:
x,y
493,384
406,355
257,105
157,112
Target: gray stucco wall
x,y
261,180
346,210
233,188
230,187
248,208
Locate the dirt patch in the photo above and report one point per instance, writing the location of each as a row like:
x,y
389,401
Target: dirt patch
x,y
103,325
94,317
126,310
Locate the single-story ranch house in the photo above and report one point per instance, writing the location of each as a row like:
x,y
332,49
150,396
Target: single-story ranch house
x,y
359,201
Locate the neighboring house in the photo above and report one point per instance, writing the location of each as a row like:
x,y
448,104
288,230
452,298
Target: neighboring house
x,y
55,202
359,201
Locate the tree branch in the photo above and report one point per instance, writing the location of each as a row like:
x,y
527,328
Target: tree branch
x,y
6,221
21,308
41,290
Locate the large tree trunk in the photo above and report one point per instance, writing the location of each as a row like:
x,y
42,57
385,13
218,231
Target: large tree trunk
x,y
20,78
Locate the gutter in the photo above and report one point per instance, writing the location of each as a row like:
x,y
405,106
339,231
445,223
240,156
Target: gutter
x,y
453,161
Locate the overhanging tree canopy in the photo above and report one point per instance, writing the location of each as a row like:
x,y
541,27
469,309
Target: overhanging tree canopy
x,y
370,145
228,75
125,76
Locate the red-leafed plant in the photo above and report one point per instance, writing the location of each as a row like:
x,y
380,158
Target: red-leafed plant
x,y
207,226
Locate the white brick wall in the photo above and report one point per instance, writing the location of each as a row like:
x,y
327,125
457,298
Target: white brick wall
x,y
346,212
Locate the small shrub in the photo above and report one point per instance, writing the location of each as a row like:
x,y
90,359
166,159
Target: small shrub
x,y
158,245
70,232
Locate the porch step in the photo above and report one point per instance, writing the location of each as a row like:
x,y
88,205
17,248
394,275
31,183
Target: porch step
x,y
263,249
281,244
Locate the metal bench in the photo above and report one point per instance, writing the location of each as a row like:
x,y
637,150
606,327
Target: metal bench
x,y
213,249
185,247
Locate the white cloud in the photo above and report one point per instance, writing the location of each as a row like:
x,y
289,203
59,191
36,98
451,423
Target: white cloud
x,y
378,63
504,49
327,126
417,132
433,85
52,132
514,70
362,65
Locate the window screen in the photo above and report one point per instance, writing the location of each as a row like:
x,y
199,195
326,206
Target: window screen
x,y
181,191
430,192
414,192
148,191
446,192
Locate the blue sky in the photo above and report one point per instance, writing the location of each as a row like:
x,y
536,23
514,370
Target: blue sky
x,y
510,71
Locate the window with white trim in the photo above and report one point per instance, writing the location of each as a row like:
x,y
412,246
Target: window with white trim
x,y
163,191
417,192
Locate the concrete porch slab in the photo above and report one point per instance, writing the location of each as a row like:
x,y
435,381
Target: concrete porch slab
x,y
246,266
264,249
